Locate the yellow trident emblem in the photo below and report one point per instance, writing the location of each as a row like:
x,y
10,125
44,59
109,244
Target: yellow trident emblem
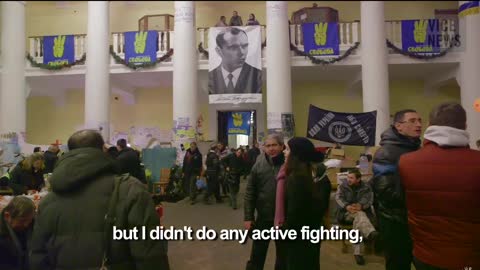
x,y
237,119
321,34
420,31
58,46
140,42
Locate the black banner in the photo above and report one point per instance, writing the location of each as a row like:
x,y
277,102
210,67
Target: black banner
x,y
344,128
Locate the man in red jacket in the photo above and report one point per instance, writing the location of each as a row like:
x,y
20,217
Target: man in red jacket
x,y
442,188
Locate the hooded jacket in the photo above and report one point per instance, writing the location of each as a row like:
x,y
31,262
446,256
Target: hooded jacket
x,y
69,230
389,202
442,187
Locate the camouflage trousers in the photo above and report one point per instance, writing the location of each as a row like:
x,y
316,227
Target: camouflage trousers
x,y
361,222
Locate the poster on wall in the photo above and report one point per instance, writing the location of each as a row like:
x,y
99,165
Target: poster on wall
x,y
321,39
58,50
341,127
235,65
141,47
239,123
421,36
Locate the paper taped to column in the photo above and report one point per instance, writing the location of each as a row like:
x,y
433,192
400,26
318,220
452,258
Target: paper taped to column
x,y
235,65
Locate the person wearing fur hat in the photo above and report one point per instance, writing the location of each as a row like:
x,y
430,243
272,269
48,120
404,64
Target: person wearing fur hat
x,y
302,202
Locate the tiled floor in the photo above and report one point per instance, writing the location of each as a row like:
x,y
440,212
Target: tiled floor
x,y
230,255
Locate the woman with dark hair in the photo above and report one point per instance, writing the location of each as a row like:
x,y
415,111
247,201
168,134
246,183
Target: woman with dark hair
x,y
305,201
252,20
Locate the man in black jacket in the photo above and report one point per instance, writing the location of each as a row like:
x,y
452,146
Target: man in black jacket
x,y
192,168
51,158
252,154
129,161
389,203
213,171
260,197
16,226
70,229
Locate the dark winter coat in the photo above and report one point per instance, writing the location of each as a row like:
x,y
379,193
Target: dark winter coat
x,y
50,160
236,164
213,163
69,230
347,195
261,188
389,201
304,206
13,257
22,180
128,161
192,162
252,154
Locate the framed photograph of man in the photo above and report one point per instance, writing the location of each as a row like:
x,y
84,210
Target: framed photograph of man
x,y
235,65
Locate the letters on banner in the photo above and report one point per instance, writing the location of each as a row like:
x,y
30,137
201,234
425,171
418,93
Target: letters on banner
x,y
344,128
321,39
58,50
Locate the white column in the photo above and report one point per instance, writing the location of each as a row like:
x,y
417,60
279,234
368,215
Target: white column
x,y
469,72
279,80
375,64
97,78
12,91
185,79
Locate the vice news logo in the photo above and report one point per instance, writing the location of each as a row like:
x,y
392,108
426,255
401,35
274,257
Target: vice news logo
x,y
433,32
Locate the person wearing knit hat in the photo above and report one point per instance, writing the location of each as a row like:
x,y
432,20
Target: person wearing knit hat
x,y
302,202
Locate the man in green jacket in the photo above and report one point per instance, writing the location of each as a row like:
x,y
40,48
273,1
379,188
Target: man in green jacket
x,y
69,230
260,197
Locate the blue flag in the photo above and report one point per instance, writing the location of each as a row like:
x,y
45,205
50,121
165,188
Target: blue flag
x,y
321,38
141,47
421,36
344,128
238,123
58,50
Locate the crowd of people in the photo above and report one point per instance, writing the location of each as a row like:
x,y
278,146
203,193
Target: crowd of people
x,y
236,20
223,169
420,203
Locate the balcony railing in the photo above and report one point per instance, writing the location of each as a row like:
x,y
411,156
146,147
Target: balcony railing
x,y
349,34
